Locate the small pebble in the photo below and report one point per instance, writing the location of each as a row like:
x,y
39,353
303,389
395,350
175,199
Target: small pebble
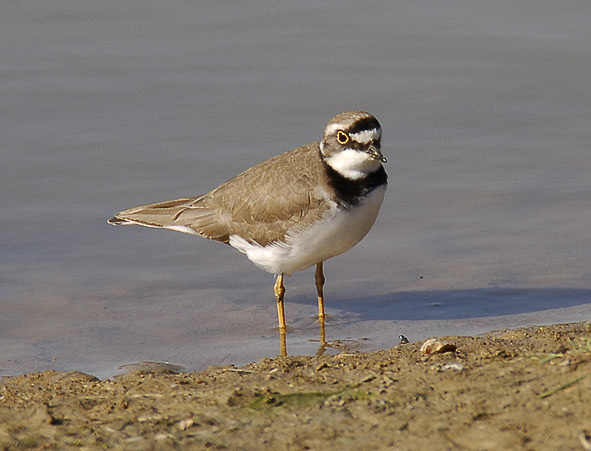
x,y
184,424
433,346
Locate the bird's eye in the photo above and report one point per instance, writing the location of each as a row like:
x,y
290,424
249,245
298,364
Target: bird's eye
x,y
342,137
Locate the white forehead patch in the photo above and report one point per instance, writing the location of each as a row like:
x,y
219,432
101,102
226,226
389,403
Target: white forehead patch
x,y
366,136
332,129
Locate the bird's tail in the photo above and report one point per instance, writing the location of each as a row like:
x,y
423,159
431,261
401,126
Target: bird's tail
x,y
161,214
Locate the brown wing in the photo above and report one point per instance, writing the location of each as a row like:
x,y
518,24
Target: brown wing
x,y
261,204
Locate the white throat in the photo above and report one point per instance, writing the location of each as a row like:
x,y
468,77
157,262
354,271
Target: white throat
x,y
353,164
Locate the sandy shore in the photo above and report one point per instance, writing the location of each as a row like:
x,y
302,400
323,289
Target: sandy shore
x,y
512,389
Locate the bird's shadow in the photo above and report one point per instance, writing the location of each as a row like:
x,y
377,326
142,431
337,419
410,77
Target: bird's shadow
x,y
459,304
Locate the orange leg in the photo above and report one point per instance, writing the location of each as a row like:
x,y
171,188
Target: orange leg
x,y
279,295
320,290
282,343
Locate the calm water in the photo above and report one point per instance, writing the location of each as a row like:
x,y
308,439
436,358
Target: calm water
x,y
486,109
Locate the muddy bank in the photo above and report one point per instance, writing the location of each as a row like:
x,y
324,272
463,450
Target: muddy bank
x,y
512,389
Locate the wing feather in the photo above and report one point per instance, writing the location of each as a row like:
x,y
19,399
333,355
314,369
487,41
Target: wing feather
x,y
261,205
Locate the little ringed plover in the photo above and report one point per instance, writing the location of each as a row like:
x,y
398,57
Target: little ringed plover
x,y
292,211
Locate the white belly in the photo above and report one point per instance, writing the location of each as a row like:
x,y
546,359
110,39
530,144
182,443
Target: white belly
x,y
332,235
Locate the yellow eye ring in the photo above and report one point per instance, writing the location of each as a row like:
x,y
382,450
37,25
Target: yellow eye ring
x,y
342,137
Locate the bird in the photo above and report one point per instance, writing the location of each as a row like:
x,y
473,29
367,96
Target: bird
x,y
292,211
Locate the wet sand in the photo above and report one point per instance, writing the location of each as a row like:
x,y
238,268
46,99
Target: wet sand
x,y
512,389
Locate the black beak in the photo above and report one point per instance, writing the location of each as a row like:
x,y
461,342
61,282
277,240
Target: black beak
x,y
376,154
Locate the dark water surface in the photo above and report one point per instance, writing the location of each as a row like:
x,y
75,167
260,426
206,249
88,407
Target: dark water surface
x,y
486,109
